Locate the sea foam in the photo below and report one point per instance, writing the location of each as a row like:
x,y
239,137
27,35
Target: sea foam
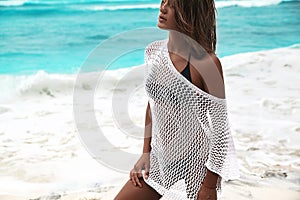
x,y
41,83
42,154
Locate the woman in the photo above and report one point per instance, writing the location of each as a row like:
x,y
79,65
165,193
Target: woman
x,y
188,148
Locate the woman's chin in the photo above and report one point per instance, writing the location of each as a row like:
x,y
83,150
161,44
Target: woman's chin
x,y
162,26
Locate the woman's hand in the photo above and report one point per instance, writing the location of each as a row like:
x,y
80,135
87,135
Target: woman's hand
x,y
136,172
207,193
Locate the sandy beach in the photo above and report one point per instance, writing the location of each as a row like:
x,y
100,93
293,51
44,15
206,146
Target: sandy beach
x,y
42,155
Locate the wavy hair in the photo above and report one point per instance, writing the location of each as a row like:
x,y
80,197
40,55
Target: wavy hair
x,y
197,19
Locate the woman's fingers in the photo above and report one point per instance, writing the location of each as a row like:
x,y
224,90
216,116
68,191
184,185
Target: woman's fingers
x,y
136,172
137,180
134,176
137,175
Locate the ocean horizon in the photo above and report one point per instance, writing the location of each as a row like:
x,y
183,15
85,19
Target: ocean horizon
x,y
57,36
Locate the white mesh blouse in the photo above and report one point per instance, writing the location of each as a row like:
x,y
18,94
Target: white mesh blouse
x,y
190,130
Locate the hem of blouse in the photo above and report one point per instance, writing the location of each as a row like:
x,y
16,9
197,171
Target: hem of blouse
x,y
211,168
224,178
154,185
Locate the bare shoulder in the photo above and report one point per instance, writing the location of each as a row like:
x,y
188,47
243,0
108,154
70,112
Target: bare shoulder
x,y
210,68
217,62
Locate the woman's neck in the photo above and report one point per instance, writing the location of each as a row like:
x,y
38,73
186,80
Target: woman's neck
x,y
178,44
184,46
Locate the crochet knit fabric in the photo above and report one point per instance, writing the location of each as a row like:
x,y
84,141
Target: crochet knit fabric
x,y
190,130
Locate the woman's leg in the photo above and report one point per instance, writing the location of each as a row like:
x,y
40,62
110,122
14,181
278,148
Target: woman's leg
x,y
131,192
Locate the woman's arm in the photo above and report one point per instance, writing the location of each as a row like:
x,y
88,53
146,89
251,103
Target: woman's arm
x,y
144,161
210,180
209,184
148,130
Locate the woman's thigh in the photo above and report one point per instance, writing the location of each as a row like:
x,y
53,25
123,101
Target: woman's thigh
x,y
131,192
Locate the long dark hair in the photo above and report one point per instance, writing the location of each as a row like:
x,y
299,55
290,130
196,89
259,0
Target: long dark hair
x,y
197,19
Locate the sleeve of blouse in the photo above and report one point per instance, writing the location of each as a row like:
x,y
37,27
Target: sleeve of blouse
x,y
222,158
150,54
146,63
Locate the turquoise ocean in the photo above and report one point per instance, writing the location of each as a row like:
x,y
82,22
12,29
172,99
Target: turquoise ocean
x,y
44,44
56,36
